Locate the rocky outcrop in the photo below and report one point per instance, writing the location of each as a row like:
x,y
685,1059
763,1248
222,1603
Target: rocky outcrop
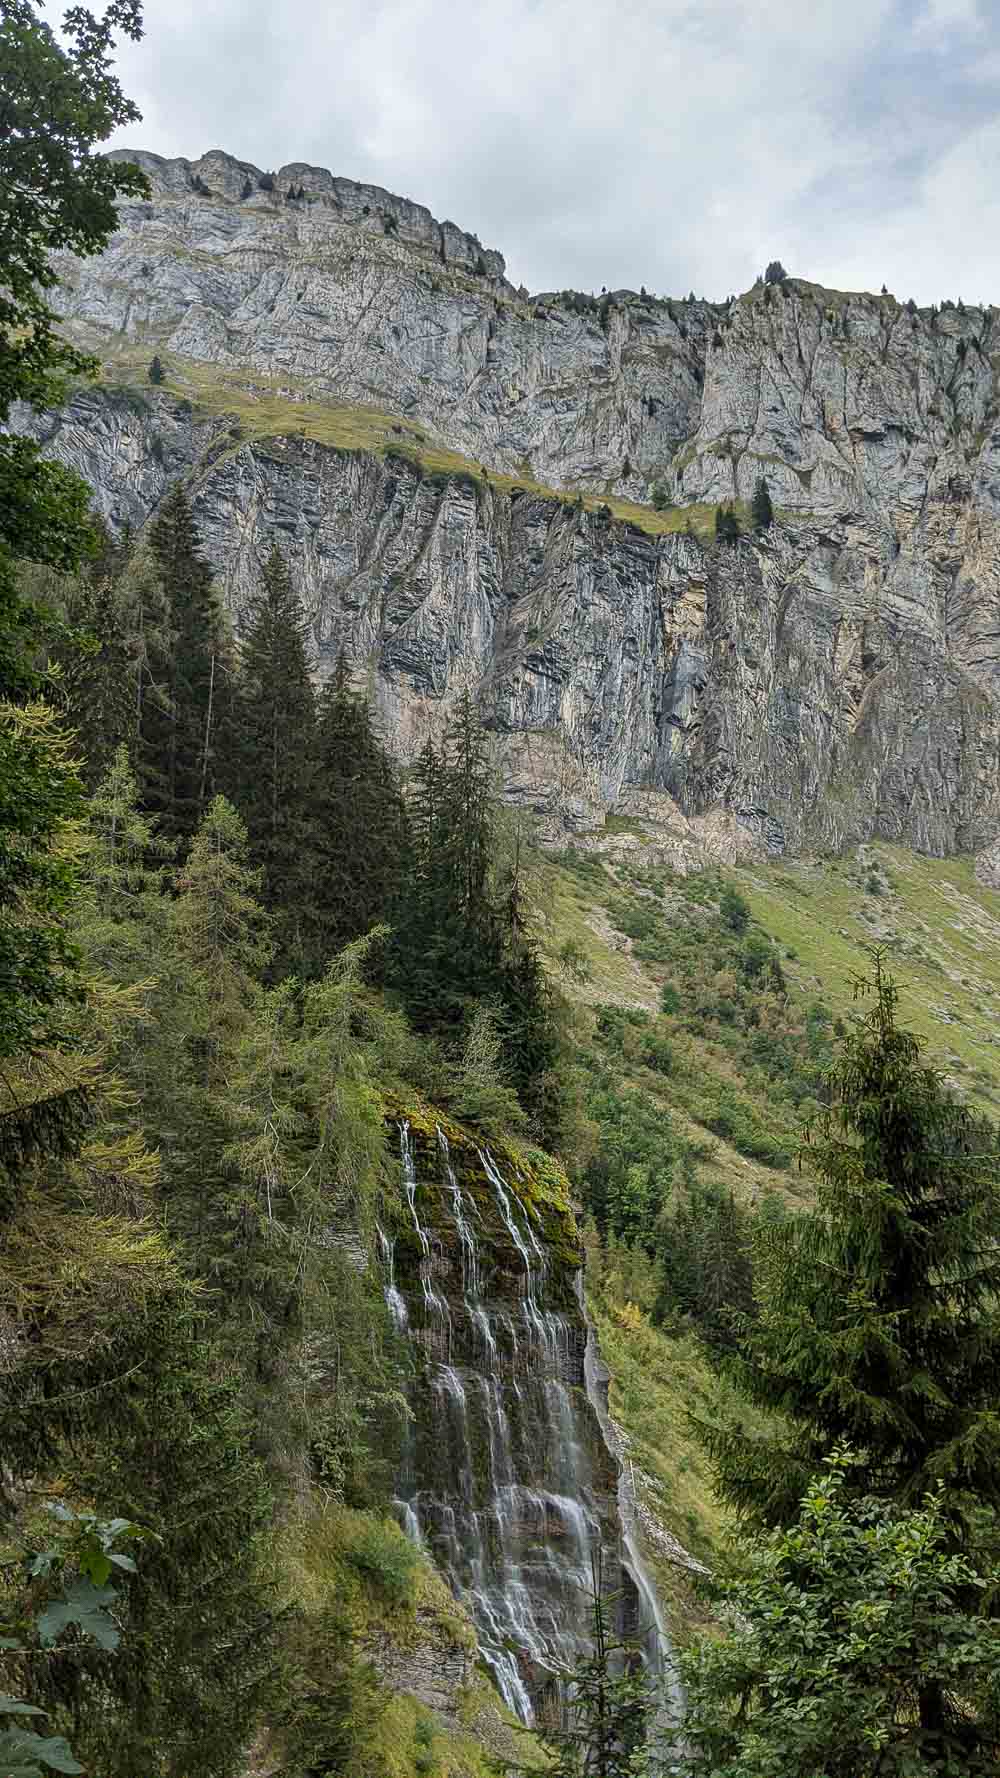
x,y
834,679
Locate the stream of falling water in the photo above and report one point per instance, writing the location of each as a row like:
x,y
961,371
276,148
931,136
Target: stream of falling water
x,y
498,1485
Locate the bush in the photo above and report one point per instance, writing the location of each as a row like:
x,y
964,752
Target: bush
x,y
733,910
384,1558
658,1054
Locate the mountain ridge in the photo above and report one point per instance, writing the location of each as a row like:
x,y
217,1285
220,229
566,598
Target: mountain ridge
x,y
477,489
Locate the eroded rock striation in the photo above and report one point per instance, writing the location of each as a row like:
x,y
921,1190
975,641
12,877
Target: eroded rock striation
x,y
362,384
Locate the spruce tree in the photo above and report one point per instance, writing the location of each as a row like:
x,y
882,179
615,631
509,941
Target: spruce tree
x,y
274,740
181,724
761,510
461,934
359,827
879,1312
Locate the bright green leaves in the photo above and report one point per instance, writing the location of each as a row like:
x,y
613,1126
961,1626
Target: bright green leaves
x,y
856,1653
81,1558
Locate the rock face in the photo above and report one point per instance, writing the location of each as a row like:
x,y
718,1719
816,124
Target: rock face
x,y
835,678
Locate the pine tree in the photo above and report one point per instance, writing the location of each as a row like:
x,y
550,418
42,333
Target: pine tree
x,y
761,510
359,827
156,372
275,737
879,1324
179,739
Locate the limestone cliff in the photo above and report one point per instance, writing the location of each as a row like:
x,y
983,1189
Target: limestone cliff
x,y
459,475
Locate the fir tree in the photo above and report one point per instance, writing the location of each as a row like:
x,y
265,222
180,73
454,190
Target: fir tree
x,y
181,725
94,648
761,510
727,525
275,724
461,935
156,372
609,1708
359,829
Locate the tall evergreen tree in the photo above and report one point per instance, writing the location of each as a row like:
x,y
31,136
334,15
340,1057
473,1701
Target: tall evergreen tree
x,y
359,826
461,935
879,1321
274,741
181,724
610,1706
761,510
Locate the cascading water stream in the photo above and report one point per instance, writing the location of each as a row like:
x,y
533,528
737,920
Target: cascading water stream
x,y
500,1485
658,1649
394,1301
435,1304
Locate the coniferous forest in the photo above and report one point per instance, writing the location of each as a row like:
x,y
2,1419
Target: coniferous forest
x,y
236,934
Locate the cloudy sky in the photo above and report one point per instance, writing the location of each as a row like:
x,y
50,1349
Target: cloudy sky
x,y
673,143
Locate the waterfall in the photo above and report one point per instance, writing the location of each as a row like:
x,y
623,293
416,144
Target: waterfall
x,y
659,1652
394,1301
508,1483
435,1305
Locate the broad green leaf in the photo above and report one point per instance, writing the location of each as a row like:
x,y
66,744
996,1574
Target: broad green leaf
x,y
14,1707
83,1605
22,1754
95,1564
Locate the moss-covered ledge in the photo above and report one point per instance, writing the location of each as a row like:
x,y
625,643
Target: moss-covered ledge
x,y
536,1182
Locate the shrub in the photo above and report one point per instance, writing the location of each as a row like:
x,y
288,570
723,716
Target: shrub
x,y
733,910
384,1558
658,1054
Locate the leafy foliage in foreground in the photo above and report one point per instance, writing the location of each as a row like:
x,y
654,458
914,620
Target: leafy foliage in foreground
x,y
842,1623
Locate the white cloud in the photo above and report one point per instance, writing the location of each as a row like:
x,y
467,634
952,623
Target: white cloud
x,y
667,142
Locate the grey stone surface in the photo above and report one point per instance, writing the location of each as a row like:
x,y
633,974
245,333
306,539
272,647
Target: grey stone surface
x,y
835,679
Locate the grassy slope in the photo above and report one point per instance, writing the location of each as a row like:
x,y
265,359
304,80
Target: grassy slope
x,y
942,928
284,412
943,931
356,1568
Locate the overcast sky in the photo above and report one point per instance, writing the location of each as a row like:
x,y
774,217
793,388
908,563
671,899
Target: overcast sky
x,y
673,143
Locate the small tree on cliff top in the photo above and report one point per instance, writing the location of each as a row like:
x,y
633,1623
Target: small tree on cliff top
x,y
761,510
